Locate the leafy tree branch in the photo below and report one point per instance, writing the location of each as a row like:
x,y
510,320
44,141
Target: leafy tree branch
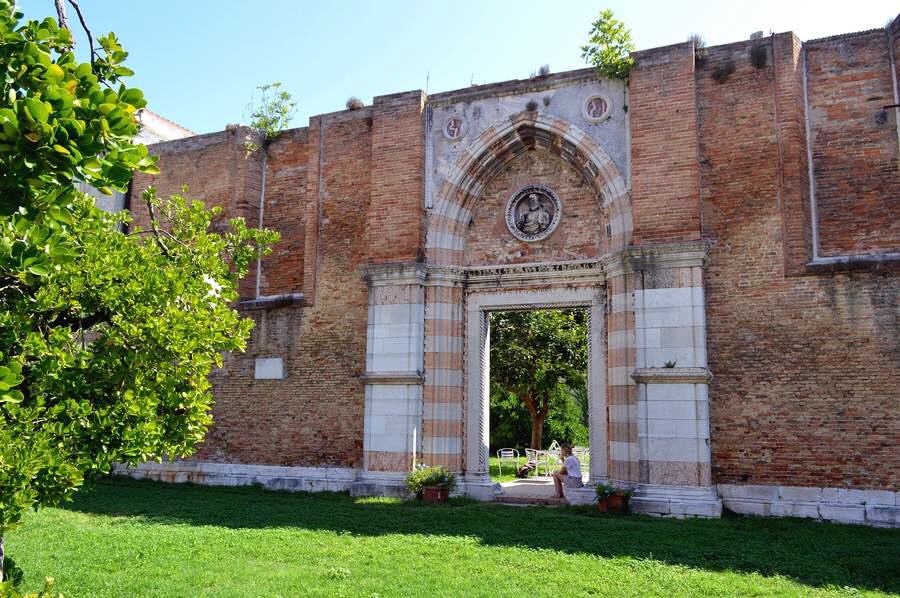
x,y
609,47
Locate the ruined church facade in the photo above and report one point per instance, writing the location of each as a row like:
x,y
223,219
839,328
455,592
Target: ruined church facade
x,y
729,219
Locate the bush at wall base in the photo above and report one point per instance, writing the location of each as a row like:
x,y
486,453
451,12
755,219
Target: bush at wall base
x,y
432,484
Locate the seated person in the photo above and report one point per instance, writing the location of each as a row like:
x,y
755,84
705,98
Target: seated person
x,y
569,475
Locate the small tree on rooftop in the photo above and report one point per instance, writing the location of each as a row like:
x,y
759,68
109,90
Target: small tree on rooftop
x,y
609,47
271,113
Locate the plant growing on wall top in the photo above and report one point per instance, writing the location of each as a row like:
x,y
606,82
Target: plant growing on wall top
x,y
271,114
609,47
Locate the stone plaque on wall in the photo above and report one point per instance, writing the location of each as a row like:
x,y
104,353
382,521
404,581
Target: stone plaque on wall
x,y
533,213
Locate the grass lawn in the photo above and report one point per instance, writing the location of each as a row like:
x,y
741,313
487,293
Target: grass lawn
x,y
129,538
509,472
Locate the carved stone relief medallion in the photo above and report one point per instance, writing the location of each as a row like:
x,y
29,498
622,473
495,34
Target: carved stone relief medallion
x,y
596,108
533,213
455,128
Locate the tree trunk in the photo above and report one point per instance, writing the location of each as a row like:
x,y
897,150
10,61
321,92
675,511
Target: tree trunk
x,y
1,559
537,430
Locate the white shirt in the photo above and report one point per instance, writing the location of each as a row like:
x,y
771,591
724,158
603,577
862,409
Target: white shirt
x,y
573,466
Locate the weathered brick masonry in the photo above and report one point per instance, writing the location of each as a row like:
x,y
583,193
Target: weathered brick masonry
x,y
733,210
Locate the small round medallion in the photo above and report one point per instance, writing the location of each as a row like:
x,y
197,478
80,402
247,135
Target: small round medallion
x,y
533,213
596,108
455,128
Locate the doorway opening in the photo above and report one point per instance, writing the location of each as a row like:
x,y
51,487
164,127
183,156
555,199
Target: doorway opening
x,y
539,400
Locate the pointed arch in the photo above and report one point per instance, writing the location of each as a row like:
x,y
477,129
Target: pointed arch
x,y
496,147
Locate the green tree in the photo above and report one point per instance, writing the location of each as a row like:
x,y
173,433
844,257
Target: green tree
x,y
536,357
271,114
106,339
609,47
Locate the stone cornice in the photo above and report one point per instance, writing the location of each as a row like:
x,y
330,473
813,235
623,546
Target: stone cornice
x,y
393,378
656,256
389,275
271,301
671,375
446,276
581,272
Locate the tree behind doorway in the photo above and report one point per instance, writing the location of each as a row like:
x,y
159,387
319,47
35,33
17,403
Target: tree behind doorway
x,y
539,363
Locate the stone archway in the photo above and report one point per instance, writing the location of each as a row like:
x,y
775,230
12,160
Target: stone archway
x,y
493,150
426,363
458,298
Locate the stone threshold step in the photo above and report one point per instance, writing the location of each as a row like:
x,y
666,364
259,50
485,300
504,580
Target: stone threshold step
x,y
525,501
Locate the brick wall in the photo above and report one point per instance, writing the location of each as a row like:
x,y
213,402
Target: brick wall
x,y
286,197
396,221
855,156
806,364
806,369
664,194
317,197
217,171
577,236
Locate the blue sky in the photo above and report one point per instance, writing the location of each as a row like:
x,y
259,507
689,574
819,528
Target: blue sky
x,y
198,61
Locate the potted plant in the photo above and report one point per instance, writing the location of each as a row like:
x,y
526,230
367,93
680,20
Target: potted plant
x,y
432,484
611,499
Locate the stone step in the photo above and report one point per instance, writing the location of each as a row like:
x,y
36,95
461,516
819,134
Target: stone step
x,y
520,501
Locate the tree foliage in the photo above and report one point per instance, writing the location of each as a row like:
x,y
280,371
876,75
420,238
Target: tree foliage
x,y
271,113
567,419
538,358
609,47
106,339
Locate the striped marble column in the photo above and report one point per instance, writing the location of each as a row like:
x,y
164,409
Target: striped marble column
x,y
443,421
621,389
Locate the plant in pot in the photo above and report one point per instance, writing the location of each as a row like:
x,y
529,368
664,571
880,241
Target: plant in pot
x,y
611,499
431,484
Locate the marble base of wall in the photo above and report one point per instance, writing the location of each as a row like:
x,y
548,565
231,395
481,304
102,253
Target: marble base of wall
x,y
372,483
676,501
477,487
879,508
272,477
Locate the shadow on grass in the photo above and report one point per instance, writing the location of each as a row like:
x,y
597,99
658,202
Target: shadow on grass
x,y
812,553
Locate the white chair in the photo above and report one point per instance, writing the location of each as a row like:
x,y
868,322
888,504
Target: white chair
x,y
551,456
551,459
507,453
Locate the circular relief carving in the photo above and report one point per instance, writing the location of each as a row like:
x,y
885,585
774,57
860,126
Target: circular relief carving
x,y
532,213
596,108
455,128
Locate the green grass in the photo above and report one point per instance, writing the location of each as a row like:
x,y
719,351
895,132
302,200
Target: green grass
x,y
129,538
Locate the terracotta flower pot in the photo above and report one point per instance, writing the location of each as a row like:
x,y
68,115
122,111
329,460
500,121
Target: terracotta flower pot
x,y
435,494
614,503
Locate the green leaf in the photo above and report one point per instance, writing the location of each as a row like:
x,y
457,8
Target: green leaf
x,y
37,110
12,396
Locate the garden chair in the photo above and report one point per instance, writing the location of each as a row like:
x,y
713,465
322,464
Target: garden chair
x,y
507,453
551,461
